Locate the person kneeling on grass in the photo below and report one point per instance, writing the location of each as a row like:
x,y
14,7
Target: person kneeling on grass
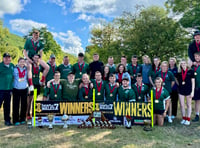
x,y
55,90
161,100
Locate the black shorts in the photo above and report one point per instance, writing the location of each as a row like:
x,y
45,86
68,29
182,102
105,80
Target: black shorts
x,y
196,94
38,90
159,112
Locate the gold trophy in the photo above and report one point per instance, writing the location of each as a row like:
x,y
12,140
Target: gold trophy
x,y
50,118
147,125
64,119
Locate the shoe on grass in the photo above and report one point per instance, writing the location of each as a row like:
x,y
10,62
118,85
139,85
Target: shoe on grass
x,y
196,118
17,124
187,122
183,121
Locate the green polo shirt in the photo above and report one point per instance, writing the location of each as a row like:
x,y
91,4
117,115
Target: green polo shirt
x,y
64,70
77,71
168,80
6,76
36,77
152,74
197,77
126,94
140,97
82,95
31,49
108,93
51,92
70,91
136,69
98,97
159,104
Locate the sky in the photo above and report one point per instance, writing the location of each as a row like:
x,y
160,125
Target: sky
x,y
70,21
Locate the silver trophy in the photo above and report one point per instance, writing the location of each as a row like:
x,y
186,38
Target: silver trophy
x,y
50,118
64,119
40,122
29,122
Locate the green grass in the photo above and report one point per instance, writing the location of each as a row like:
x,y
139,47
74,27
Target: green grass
x,y
170,135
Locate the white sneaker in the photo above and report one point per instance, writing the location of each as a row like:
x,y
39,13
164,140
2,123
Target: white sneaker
x,y
183,121
170,120
173,117
187,122
31,88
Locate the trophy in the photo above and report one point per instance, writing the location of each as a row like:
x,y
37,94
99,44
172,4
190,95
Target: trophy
x,y
40,122
64,119
29,122
50,118
128,124
147,125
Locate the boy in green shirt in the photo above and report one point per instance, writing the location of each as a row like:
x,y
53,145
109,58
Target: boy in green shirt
x,y
65,68
141,90
85,92
55,90
111,89
125,92
81,67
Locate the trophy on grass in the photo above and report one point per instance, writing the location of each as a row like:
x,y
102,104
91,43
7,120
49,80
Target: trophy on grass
x,y
147,125
128,124
40,122
29,122
64,119
50,118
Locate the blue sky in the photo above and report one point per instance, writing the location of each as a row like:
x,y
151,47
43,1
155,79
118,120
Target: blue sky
x,y
70,21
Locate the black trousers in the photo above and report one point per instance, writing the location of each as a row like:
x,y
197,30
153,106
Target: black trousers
x,y
174,99
5,97
19,104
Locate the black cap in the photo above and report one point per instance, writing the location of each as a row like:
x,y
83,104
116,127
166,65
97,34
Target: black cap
x,y
81,54
196,33
6,55
125,78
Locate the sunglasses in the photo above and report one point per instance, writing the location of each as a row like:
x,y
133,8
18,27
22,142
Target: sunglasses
x,y
36,32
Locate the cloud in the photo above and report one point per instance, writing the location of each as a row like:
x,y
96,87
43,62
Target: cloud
x,y
110,8
71,43
12,6
24,26
60,3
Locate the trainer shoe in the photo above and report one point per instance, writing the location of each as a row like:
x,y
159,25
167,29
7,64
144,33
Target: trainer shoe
x,y
17,124
187,122
183,121
31,88
173,117
196,118
7,123
170,120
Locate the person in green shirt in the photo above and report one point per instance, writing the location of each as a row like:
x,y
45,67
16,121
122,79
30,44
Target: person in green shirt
x,y
141,90
99,86
80,67
34,46
6,79
112,66
55,90
154,69
125,92
196,97
161,101
134,68
85,92
65,68
168,82
111,89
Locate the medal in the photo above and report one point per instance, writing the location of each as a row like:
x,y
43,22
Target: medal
x,y
98,93
21,79
111,90
55,90
139,90
195,69
80,73
34,47
184,76
80,68
134,69
86,91
163,83
158,94
183,83
33,76
86,97
134,75
55,95
99,88
195,73
35,71
139,97
156,101
111,95
163,78
21,74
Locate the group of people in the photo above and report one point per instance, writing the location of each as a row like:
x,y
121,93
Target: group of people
x,y
122,82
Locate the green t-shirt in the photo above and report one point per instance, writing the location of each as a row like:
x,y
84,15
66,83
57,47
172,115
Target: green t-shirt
x,y
126,94
6,76
111,96
70,91
36,74
51,92
99,95
140,92
152,73
82,94
84,69
168,80
159,104
64,70
197,77
33,47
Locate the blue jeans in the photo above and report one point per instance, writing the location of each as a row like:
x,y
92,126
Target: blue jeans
x,y
5,96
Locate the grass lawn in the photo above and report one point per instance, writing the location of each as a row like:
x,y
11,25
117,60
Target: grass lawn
x,y
170,135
